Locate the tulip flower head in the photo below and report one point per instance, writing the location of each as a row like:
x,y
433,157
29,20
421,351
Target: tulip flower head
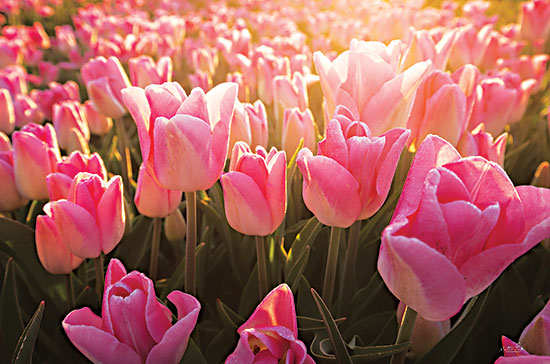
x,y
271,334
134,326
10,198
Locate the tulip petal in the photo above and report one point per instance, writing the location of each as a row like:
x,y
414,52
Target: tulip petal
x,y
83,328
53,254
111,215
136,102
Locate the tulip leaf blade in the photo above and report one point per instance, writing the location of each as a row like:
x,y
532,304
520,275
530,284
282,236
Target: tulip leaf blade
x,y
193,354
228,316
294,274
11,323
133,246
447,348
378,351
25,346
338,344
304,238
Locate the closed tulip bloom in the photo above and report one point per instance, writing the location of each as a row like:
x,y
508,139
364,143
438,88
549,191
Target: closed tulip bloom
x,y
254,190
151,199
478,142
533,20
35,155
60,181
66,116
257,118
240,126
134,326
459,223
104,80
290,92
26,111
351,176
91,220
10,198
144,71
270,335
98,123
7,113
535,338
197,128
298,125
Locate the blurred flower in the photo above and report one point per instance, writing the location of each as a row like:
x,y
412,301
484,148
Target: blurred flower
x,y
7,113
297,125
257,118
66,116
98,124
10,199
144,71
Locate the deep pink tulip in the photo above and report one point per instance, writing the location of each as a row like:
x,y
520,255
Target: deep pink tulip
x,y
98,124
60,181
351,176
104,80
151,199
144,71
180,134
10,199
254,190
271,333
134,326
365,80
7,113
66,116
91,220
257,118
459,223
35,155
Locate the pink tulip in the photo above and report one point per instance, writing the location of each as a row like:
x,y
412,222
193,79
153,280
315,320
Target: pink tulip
x,y
68,115
7,113
254,190
60,181
14,79
268,67
365,80
528,67
257,118
290,93
298,125
351,176
478,142
270,335
10,52
104,80
134,326
244,89
459,223
56,93
197,127
439,108
201,80
144,71
49,72
240,126
98,124
35,155
423,47
10,198
151,199
26,111
533,20
91,220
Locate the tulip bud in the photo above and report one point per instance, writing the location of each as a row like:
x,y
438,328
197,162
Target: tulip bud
x,y
10,199
153,200
175,227
257,118
69,115
298,125
535,338
240,126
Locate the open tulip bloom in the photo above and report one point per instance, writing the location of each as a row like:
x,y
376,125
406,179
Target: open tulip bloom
x,y
134,327
459,223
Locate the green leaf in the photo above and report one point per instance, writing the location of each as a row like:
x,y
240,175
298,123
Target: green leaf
x,y
176,279
193,354
338,344
313,324
230,318
134,245
25,346
305,237
447,348
11,323
378,352
293,277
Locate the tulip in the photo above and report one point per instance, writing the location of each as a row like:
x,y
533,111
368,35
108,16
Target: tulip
x,y
151,199
104,80
144,71
60,181
77,142
422,47
257,118
98,124
478,142
134,326
26,111
175,227
7,113
270,334
255,190
533,20
240,126
365,80
289,92
10,199
459,223
66,116
91,220
35,155
56,93
298,125
535,338
14,79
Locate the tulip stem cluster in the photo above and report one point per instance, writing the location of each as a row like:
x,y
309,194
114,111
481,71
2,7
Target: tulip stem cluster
x,y
351,257
404,334
99,280
155,245
191,242
70,291
262,266
332,261
124,152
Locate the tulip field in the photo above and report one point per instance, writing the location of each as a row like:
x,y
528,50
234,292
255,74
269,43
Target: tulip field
x,y
297,182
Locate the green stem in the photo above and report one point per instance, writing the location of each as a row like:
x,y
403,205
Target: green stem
x,y
153,262
124,153
31,212
99,276
332,261
70,291
191,242
262,266
350,260
404,334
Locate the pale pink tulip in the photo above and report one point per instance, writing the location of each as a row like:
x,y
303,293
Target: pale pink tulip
x,y
297,125
68,115
26,111
134,326
91,220
35,155
422,47
533,20
459,223
254,190
7,113
144,71
478,142
528,67
290,92
240,126
257,117
10,198
151,199
271,333
98,124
